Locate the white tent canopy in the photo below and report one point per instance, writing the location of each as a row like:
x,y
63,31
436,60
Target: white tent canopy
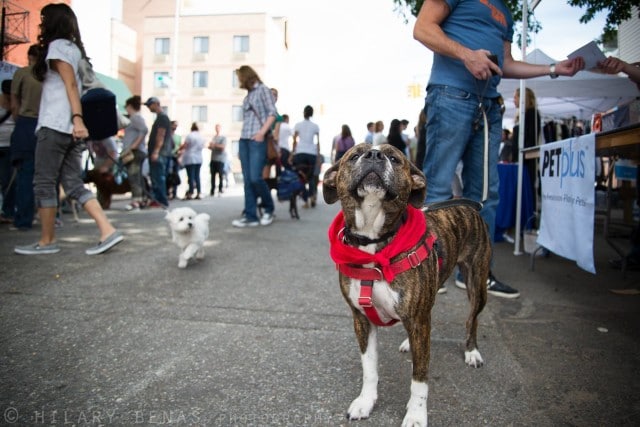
x,y
581,95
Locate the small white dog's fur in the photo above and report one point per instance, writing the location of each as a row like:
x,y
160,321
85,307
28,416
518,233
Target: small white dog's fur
x,y
189,230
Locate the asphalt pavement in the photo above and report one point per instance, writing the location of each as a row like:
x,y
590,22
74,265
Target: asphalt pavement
x,y
257,333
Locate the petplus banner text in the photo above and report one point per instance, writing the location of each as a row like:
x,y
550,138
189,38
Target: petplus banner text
x,y
567,171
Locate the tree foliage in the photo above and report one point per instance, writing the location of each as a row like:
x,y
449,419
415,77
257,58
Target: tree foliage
x,y
617,11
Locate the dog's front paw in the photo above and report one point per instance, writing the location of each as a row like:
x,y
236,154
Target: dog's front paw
x,y
473,358
405,346
360,408
415,419
182,263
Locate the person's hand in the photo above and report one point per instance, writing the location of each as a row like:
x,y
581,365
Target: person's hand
x,y
569,67
258,137
80,130
154,157
611,65
479,64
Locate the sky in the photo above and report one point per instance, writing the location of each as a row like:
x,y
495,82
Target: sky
x,y
353,60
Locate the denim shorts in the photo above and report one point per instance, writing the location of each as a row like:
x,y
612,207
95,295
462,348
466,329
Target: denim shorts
x,y
58,160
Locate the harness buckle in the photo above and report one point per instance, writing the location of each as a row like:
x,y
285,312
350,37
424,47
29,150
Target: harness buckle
x,y
414,259
365,302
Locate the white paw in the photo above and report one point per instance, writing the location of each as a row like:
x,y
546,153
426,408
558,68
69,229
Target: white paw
x,y
473,358
182,263
415,420
360,408
200,254
417,406
405,346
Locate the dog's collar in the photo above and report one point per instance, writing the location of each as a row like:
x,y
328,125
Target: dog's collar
x,y
354,239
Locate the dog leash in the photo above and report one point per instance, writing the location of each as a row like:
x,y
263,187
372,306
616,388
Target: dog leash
x,y
485,122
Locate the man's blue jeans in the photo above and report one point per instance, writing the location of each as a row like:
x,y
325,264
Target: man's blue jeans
x,y
451,116
158,174
25,199
253,158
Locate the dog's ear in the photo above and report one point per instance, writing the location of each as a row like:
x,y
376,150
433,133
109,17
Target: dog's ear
x,y
329,188
418,187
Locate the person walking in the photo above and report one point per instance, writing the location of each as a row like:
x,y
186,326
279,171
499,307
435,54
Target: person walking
x,y
283,133
462,96
134,142
160,148
259,113
217,146
25,104
343,143
306,148
58,156
192,160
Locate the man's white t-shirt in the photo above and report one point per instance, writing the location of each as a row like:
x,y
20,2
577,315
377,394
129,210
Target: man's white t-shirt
x,y
55,109
306,142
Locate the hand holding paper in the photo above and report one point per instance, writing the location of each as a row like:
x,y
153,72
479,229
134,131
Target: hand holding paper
x,y
591,54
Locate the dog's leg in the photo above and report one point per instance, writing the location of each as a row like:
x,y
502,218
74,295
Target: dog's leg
x,y
477,292
186,255
366,333
419,331
200,253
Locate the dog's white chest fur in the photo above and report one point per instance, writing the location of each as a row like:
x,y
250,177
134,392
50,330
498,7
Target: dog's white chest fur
x,y
369,221
384,299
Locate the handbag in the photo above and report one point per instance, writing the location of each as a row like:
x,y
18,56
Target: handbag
x,y
127,157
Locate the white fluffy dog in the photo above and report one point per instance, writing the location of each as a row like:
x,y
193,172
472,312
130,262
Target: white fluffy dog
x,y
189,231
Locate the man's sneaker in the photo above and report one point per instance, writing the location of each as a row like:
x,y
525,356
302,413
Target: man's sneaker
x,y
494,287
266,219
244,222
108,243
36,249
442,289
499,289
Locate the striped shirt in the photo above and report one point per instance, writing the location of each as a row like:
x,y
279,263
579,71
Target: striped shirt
x,y
257,106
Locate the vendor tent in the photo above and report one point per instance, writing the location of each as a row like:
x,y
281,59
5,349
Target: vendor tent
x,y
581,95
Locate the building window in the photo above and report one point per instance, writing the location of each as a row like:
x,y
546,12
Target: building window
x,y
200,78
161,46
240,44
199,113
201,45
161,79
235,83
236,113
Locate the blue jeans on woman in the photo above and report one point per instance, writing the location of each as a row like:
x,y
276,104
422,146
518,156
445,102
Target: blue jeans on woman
x,y
253,158
193,177
25,199
455,131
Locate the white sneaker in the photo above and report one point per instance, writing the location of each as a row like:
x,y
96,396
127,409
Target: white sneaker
x,y
244,222
266,219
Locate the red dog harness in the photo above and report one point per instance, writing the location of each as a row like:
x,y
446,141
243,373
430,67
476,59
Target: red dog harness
x,y
350,260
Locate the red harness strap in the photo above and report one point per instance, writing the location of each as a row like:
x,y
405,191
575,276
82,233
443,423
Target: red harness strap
x,y
367,276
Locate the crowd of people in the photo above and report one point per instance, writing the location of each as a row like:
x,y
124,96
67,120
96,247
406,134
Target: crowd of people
x,y
463,111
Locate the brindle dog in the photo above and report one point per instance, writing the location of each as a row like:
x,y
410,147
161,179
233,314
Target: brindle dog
x,y
374,186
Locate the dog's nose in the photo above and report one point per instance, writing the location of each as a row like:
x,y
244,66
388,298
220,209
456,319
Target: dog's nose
x,y
190,225
374,155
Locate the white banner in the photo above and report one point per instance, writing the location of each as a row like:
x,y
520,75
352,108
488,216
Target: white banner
x,y
567,170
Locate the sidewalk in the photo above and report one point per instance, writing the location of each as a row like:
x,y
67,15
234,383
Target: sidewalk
x,y
258,334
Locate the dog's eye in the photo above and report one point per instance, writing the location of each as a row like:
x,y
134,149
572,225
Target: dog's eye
x,y
181,218
354,157
394,159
